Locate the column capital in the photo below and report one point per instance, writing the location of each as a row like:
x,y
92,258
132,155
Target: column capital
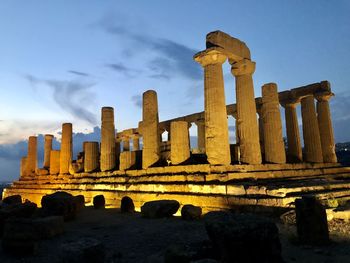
x,y
289,104
323,96
211,56
243,67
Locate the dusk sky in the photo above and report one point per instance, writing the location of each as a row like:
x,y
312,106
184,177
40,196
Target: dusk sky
x,y
61,61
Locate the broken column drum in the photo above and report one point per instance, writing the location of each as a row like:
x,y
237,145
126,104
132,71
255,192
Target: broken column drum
x,y
108,141
47,149
149,129
180,144
32,155
311,132
91,156
54,162
247,124
201,136
66,148
272,125
216,126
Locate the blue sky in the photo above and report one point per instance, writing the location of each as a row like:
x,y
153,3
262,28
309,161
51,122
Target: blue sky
x,y
61,61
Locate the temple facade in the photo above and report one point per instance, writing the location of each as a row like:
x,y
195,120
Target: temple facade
x,y
257,170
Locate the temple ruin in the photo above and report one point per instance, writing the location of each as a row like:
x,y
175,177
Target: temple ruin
x,y
258,170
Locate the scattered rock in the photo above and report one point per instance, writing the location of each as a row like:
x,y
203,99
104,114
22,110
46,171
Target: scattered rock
x,y
99,202
13,199
289,218
87,250
127,205
79,201
191,212
243,237
60,204
159,208
311,219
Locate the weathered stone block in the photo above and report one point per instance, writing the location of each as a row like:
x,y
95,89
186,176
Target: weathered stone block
x,y
13,199
60,204
190,212
99,202
127,205
159,208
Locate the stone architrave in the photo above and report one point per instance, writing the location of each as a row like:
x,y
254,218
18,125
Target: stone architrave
x,y
326,129
108,141
135,143
294,149
66,148
311,132
180,144
55,161
47,149
23,166
149,129
91,156
32,161
272,125
201,136
217,145
248,131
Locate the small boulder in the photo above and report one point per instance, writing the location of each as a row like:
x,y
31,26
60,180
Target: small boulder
x,y
160,208
311,219
127,205
191,212
13,199
99,202
83,250
60,204
243,237
79,201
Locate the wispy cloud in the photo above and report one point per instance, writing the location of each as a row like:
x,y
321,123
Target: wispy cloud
x,y
122,69
78,73
137,100
70,95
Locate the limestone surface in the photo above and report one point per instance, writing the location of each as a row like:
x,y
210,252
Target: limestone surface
x,y
47,149
32,162
91,156
55,161
180,144
108,142
66,148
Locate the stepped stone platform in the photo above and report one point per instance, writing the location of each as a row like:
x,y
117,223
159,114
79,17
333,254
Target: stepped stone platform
x,y
208,186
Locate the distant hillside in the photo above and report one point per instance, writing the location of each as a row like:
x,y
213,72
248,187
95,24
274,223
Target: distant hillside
x,y
2,186
343,152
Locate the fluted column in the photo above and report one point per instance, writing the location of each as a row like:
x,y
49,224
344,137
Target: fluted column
x,y
135,143
294,150
326,129
149,129
201,136
54,162
23,168
217,145
248,131
272,125
180,144
66,148
126,144
91,156
311,132
47,149
32,161
108,142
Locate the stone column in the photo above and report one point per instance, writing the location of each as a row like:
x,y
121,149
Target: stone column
x,y
294,149
135,143
23,169
217,145
91,156
66,148
32,162
248,131
180,144
311,132
149,129
201,136
272,125
108,142
261,130
54,162
126,144
326,129
47,150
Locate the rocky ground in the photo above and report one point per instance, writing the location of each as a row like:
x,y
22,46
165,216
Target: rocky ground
x,y
132,238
